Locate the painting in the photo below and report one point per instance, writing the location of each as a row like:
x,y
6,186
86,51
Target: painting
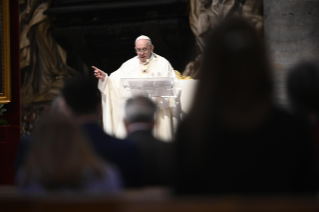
x,y
5,78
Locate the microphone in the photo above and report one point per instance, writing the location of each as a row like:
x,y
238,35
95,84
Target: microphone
x,y
147,61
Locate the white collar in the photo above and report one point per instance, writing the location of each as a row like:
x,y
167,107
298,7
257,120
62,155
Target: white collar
x,y
153,55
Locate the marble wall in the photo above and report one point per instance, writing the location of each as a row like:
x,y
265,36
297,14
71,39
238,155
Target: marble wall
x,y
292,34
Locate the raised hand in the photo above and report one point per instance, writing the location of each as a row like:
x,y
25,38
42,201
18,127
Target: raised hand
x,y
98,73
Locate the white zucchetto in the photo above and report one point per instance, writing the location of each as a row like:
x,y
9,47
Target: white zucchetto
x,y
143,37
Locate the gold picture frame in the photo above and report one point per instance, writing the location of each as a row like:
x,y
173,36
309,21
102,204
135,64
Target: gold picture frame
x,y
5,73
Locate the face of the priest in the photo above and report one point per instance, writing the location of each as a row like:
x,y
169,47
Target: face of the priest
x,y
143,49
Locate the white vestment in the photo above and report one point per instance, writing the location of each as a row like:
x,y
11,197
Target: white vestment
x,y
113,100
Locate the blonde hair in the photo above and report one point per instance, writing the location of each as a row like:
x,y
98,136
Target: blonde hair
x,y
59,154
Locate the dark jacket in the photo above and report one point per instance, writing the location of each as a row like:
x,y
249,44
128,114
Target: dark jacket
x,y
122,153
156,158
274,158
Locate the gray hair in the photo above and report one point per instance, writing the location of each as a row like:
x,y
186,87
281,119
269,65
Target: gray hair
x,y
143,37
139,109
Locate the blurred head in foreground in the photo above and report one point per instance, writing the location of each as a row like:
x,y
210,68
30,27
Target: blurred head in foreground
x,y
303,89
235,140
235,81
139,112
81,99
60,154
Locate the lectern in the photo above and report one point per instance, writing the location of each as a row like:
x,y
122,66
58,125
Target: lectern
x,y
149,87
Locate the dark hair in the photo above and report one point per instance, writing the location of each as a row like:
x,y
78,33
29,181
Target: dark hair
x,y
228,143
234,91
235,80
302,85
81,95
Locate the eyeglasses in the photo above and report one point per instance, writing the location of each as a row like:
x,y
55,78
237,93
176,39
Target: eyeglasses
x,y
141,50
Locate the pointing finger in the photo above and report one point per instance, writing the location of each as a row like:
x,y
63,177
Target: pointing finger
x,y
95,68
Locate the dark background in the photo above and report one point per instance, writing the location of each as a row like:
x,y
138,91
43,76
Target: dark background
x,y
102,33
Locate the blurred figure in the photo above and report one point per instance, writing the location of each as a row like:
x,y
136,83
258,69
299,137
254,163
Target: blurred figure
x,y
56,108
61,159
235,140
303,90
139,123
83,104
81,101
302,85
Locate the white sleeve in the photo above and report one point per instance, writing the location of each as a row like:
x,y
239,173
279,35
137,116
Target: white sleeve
x,y
102,85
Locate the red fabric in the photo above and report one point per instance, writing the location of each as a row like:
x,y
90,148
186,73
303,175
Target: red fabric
x,y
12,115
11,134
9,142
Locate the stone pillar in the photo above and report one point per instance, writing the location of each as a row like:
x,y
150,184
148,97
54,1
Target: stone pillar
x,y
292,34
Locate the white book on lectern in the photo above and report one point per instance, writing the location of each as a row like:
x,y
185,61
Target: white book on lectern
x,y
150,87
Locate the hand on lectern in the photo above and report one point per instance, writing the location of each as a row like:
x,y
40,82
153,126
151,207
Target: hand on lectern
x,y
98,73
